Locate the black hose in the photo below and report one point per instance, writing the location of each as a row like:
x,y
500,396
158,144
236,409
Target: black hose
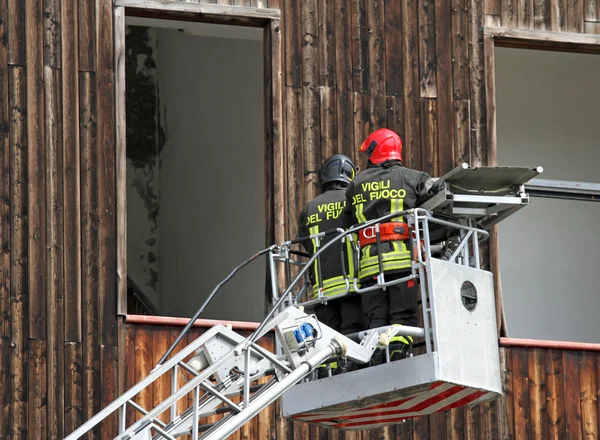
x,y
207,301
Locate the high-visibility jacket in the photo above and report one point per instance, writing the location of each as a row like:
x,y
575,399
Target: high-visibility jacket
x,y
322,214
377,191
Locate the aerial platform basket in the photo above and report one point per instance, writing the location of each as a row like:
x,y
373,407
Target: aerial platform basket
x,y
462,369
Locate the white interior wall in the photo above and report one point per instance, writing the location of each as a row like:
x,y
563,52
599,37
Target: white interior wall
x,y
547,114
212,174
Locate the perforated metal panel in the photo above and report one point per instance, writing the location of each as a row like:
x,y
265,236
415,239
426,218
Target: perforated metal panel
x,y
467,340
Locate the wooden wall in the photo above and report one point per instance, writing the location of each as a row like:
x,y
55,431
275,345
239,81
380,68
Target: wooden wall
x,y
581,16
549,394
348,67
58,325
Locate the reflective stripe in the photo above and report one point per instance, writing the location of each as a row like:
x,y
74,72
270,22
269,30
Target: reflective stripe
x,y
371,271
360,217
397,205
350,254
315,230
334,286
404,339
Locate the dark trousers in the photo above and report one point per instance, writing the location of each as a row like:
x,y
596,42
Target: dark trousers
x,y
396,305
343,315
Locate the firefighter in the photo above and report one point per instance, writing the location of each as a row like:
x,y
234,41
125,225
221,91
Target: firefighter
x,y
384,187
323,213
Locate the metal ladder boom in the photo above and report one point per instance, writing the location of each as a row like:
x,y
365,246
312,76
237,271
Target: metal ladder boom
x,y
226,365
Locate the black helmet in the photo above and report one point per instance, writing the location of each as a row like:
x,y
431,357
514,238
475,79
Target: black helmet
x,y
338,168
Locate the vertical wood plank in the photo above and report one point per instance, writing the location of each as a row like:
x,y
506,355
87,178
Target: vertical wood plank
x,y
477,92
455,424
130,363
52,33
437,425
295,160
278,143
420,428
54,277
395,114
507,418
509,13
570,362
89,244
19,330
404,430
591,10
492,7
343,75
326,32
597,390
360,47
361,126
5,388
394,72
537,395
492,20
412,108
71,175
462,130
16,32
481,415
121,166
4,175
443,48
174,332
588,387
73,387
471,431
107,282
109,392
541,14
521,400
161,389
429,137
460,49
36,209
427,51
525,14
328,122
87,35
143,365
269,181
555,395
292,41
376,26
38,398
575,15
412,151
410,49
558,15
310,99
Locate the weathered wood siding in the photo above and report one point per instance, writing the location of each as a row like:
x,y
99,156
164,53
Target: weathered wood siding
x,y
58,326
549,394
348,66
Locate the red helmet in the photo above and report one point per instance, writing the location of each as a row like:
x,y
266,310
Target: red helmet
x,y
382,145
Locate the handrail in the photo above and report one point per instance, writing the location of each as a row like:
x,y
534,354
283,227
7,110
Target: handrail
x,y
341,235
252,338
